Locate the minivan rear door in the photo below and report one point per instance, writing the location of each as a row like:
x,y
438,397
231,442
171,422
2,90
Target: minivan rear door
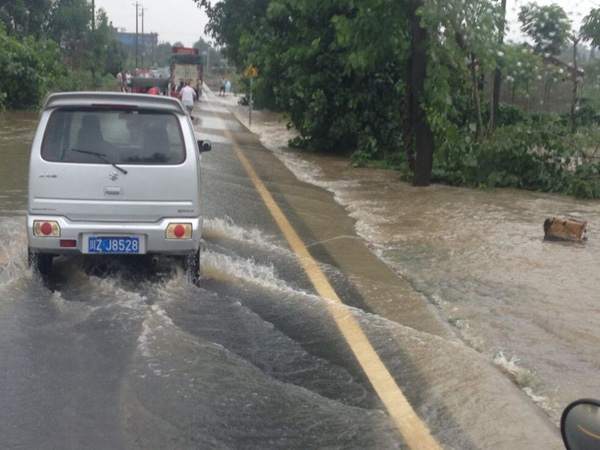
x,y
111,164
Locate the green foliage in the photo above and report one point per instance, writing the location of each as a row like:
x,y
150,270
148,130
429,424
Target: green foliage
x,y
213,56
69,21
26,68
31,65
549,26
584,115
459,28
511,115
25,17
590,29
530,154
584,182
102,53
338,69
521,68
336,97
230,21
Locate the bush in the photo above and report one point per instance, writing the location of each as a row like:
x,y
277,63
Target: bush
x,y
511,115
82,80
25,70
541,157
584,115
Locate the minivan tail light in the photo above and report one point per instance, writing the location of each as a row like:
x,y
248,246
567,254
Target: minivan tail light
x,y
179,231
42,228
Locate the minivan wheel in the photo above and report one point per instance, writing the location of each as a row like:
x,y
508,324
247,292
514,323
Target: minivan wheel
x,y
191,266
40,262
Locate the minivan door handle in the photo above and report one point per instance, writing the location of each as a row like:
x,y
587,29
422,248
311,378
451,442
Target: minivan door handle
x,y
113,190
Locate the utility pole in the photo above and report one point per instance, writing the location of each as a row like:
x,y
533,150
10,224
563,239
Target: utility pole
x,y
152,43
207,54
93,29
143,38
136,4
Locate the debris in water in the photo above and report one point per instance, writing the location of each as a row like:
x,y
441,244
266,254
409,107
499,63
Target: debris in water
x,y
564,230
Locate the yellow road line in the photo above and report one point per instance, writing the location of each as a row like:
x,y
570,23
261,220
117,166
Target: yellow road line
x,y
413,429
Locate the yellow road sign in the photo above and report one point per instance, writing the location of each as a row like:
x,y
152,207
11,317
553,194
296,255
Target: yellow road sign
x,y
250,71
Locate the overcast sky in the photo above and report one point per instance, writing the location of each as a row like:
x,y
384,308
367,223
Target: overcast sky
x,y
183,21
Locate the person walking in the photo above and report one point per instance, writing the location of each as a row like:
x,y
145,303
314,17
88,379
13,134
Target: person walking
x,y
188,94
223,85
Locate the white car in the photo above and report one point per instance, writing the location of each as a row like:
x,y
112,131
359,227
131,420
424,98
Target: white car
x,y
114,173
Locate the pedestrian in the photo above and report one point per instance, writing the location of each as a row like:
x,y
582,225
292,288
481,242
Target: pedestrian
x,y
223,85
128,81
188,94
123,81
154,90
120,81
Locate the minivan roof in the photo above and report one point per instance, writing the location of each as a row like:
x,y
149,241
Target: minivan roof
x,y
116,99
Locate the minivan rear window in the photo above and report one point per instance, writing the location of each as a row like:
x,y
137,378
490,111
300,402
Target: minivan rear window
x,y
107,136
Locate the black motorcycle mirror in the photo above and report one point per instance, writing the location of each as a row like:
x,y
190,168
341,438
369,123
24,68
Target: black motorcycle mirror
x,y
580,425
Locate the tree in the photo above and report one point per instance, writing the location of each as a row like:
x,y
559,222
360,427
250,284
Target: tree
x,y
26,67
162,54
576,40
590,29
497,74
548,26
422,134
230,20
26,17
521,67
212,56
103,54
69,24
466,31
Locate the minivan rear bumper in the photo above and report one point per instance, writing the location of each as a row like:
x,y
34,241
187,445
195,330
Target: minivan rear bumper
x,y
152,236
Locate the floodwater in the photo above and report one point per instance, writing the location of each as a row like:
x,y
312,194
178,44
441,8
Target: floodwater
x,y
117,355
530,306
251,360
16,133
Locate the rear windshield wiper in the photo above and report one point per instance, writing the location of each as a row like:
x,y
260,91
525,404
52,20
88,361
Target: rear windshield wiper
x,y
100,156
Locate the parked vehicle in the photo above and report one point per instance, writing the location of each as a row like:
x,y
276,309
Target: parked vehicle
x,y
186,65
114,173
144,80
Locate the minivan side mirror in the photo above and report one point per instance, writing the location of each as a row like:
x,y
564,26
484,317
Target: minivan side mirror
x,y
580,425
204,146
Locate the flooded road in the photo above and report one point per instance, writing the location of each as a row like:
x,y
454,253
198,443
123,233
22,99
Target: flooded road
x,y
16,133
117,354
530,306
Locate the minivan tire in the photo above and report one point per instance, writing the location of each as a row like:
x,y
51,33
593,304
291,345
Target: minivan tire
x,y
191,267
40,262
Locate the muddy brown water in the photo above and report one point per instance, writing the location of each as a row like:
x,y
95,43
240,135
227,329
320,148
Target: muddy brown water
x,y
531,306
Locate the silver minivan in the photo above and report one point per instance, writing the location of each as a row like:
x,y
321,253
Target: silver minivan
x,y
114,173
